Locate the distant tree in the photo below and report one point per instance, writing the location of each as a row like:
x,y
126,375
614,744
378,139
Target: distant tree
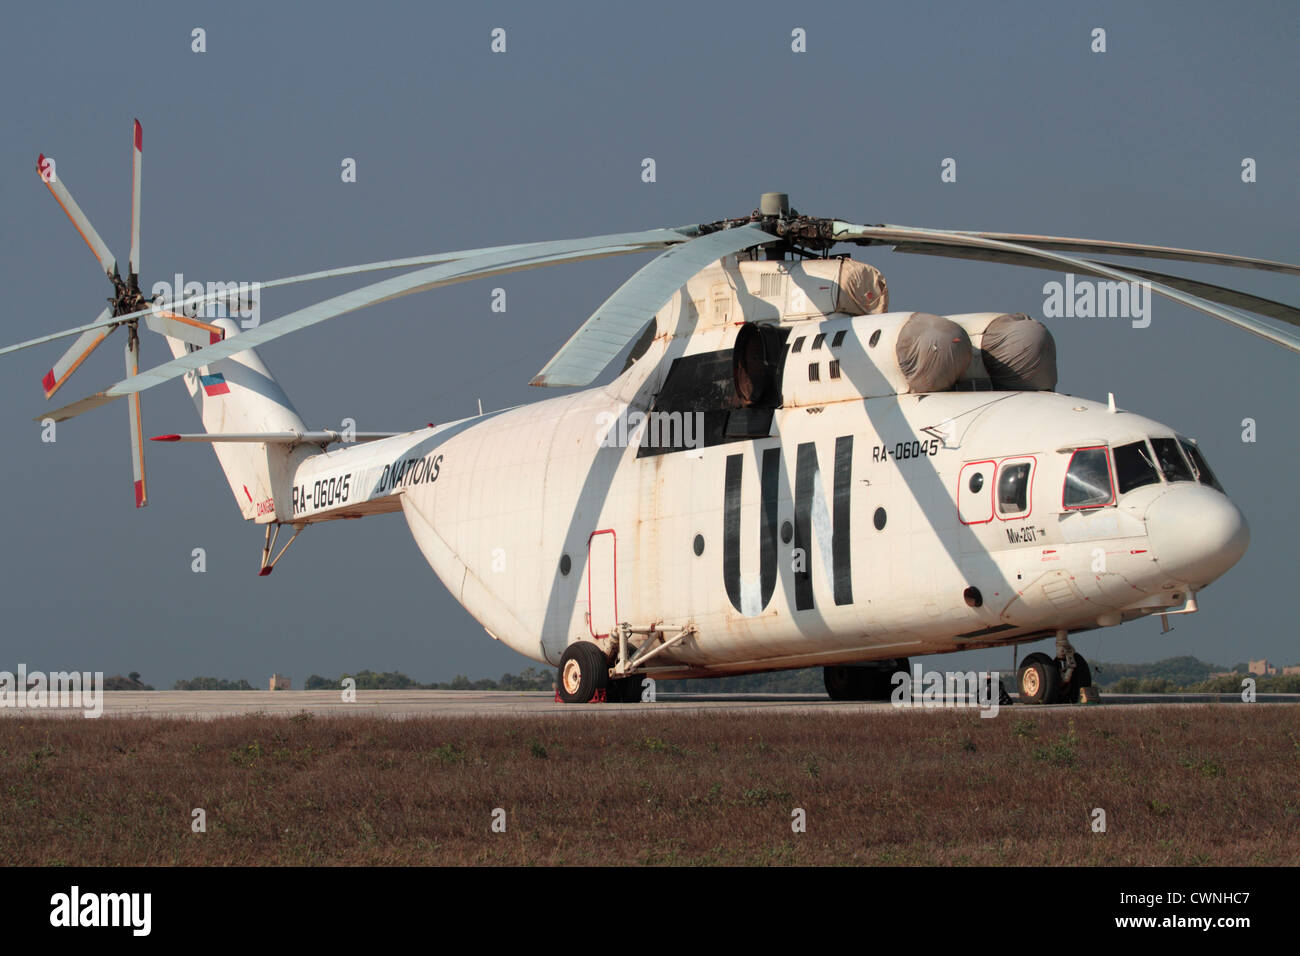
x,y
212,683
133,682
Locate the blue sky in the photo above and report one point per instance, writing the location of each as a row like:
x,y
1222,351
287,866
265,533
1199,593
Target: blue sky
x,y
457,147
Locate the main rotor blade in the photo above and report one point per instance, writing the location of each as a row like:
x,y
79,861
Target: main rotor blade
x,y
848,232
1097,246
50,176
182,327
622,316
137,434
644,241
477,267
137,157
69,361
1206,290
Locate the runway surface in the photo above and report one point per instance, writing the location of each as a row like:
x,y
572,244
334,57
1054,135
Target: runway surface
x,y
469,703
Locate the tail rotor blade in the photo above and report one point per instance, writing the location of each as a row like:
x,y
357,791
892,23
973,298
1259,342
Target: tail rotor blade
x,y
137,156
68,363
49,175
133,405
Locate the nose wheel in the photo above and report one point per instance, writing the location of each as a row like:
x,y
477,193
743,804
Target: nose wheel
x,y
1046,680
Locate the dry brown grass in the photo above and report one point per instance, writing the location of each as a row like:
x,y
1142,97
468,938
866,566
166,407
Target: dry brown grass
x,y
1197,785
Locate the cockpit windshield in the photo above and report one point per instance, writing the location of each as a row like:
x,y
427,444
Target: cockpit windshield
x,y
1135,466
1087,481
1172,463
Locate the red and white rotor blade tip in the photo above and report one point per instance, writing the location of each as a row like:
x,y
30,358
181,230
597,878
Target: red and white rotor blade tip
x,y
46,169
137,156
137,440
68,363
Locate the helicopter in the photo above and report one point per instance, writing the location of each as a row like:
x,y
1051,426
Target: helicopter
x,y
785,474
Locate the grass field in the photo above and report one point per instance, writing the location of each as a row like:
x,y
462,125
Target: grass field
x,y
1191,785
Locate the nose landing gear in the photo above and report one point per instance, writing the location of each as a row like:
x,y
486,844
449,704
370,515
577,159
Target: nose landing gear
x,y
1067,679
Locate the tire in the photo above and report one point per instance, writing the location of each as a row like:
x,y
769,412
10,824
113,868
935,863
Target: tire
x,y
625,690
584,673
1038,680
1081,678
841,682
872,682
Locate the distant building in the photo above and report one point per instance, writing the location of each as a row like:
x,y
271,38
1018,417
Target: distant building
x,y
279,683
1291,669
1261,668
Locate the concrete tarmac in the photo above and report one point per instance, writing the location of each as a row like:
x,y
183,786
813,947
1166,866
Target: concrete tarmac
x,y
469,703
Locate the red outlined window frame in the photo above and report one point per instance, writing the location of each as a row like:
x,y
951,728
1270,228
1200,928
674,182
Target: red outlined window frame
x,y
962,482
1032,460
613,571
1110,475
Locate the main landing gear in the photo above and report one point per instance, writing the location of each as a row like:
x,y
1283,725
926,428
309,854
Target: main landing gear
x,y
585,678
863,681
1065,679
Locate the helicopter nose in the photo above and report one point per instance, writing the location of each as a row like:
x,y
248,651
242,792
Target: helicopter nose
x,y
1196,533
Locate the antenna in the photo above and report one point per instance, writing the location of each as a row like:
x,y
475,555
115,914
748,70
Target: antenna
x,y
1110,402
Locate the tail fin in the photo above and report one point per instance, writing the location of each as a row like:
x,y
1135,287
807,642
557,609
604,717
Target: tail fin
x,y
239,394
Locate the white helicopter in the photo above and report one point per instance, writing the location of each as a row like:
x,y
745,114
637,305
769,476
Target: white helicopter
x,y
785,475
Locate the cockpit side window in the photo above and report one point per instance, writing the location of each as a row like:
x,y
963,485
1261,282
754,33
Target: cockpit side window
x,y
1087,480
1172,463
1200,466
1013,488
1135,466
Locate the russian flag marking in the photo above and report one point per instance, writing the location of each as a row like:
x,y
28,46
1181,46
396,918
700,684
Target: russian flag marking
x,y
214,384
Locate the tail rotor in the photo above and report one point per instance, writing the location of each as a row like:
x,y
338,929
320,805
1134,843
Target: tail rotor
x,y
127,300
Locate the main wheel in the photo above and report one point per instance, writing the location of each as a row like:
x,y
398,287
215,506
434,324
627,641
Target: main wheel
x,y
1081,678
626,690
864,681
1039,680
844,682
584,673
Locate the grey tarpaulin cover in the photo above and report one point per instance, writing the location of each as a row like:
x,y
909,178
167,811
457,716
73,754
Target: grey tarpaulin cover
x,y
1019,353
933,352
862,289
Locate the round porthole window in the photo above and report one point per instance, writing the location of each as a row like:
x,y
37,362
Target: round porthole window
x,y
875,337
699,545
976,482
787,532
566,564
879,519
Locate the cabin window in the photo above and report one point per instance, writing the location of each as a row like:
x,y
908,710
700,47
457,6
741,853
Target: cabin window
x,y
839,339
1135,466
798,344
1172,463
818,339
1200,466
835,368
975,492
1013,488
1087,480
814,372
